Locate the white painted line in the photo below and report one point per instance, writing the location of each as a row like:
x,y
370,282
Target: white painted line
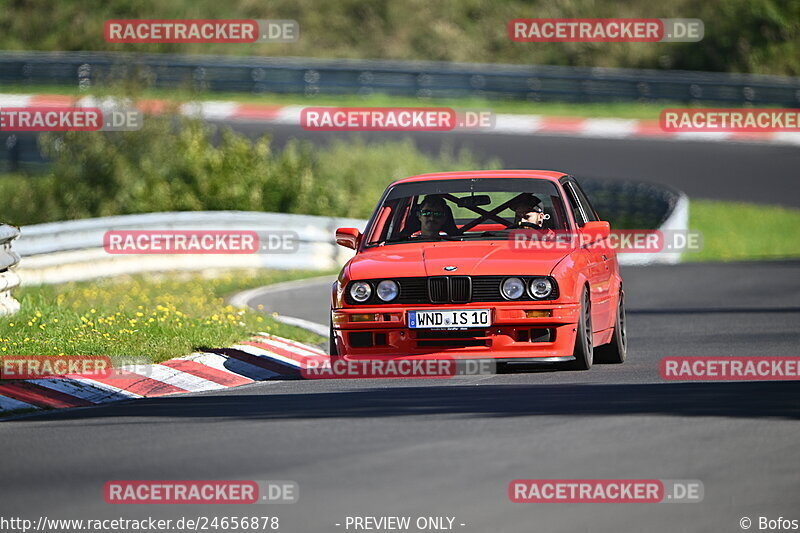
x,y
703,135
244,298
608,128
259,352
517,124
787,137
104,103
15,100
213,110
10,404
170,376
289,114
314,327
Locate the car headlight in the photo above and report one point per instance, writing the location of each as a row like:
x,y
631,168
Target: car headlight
x,y
512,288
360,291
387,290
540,288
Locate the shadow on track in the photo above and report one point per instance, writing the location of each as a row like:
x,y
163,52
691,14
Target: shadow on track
x,y
712,311
734,400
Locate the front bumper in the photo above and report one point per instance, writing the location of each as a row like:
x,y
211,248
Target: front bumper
x,y
512,335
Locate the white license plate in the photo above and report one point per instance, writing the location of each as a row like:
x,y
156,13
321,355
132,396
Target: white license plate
x,y
450,318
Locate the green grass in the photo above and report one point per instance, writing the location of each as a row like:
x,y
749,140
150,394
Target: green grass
x,y
739,231
145,317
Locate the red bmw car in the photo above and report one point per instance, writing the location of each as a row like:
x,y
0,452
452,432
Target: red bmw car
x,y
474,265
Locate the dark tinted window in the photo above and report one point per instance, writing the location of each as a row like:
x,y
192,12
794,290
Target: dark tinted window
x,y
490,216
584,212
584,200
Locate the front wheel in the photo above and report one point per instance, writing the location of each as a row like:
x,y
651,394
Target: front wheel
x,y
616,351
583,352
332,342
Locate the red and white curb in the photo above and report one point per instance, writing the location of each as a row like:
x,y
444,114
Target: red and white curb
x,y
263,357
510,124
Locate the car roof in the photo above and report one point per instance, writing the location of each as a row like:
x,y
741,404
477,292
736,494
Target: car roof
x,y
549,175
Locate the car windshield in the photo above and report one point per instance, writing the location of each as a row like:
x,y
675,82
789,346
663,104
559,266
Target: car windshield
x,y
465,209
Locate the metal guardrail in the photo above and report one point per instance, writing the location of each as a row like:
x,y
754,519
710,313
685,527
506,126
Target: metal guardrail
x,y
73,250
311,76
8,277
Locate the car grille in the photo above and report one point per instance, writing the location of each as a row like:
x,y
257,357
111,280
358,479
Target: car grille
x,y
446,290
460,289
438,290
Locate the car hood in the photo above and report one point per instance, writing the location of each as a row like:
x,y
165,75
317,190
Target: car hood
x,y
483,258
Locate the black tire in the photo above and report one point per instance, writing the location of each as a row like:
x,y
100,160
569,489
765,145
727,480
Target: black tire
x,y
332,344
583,352
616,351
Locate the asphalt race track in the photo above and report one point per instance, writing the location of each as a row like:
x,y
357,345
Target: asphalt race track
x,y
450,448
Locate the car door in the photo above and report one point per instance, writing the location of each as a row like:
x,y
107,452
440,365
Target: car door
x,y
599,271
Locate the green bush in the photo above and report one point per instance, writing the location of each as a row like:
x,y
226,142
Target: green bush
x,y
182,164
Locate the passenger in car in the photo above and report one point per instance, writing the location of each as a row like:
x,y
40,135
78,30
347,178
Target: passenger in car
x,y
528,212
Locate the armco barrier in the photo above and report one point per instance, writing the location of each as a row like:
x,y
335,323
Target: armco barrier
x,y
8,277
72,251
311,76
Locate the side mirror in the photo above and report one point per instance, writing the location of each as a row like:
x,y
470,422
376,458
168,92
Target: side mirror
x,y
595,231
348,237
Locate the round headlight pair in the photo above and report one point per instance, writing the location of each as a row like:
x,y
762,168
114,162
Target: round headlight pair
x,y
514,288
387,291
